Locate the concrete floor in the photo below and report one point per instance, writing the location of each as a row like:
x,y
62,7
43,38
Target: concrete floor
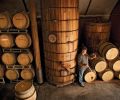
x,y
95,91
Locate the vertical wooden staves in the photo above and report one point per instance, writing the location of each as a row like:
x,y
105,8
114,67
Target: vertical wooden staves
x,y
36,46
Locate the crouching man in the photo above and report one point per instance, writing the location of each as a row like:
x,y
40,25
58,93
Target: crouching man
x,y
83,64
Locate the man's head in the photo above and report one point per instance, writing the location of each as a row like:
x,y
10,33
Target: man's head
x,y
84,51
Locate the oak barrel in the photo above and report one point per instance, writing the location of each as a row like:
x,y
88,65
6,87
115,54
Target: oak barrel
x,y
96,33
5,20
2,71
106,75
60,25
25,90
23,40
9,58
27,74
21,20
115,65
6,41
12,74
117,74
25,58
99,64
89,75
108,50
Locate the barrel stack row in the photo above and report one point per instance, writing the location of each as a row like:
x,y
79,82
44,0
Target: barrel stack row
x,y
60,25
107,63
19,20
15,41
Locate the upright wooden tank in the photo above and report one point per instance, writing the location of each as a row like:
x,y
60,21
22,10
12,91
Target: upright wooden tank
x,y
60,25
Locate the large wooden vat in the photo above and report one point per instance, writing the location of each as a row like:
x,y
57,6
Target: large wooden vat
x,y
115,65
99,64
96,33
25,90
60,24
6,41
106,75
23,40
108,50
9,58
25,58
5,21
21,20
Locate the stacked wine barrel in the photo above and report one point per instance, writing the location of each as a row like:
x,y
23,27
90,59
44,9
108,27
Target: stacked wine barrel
x,y
15,42
60,24
25,90
96,32
107,65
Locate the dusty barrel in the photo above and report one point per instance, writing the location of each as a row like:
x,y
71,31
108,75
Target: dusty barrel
x,y
25,58
60,24
106,75
27,74
5,20
21,20
9,58
23,40
25,90
2,71
115,65
89,75
99,64
6,41
108,50
117,74
12,74
96,33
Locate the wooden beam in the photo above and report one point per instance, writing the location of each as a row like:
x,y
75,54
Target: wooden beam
x,y
36,45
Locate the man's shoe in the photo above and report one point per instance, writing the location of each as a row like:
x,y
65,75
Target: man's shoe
x,y
82,84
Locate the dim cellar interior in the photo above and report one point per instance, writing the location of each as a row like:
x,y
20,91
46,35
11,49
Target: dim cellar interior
x,y
59,49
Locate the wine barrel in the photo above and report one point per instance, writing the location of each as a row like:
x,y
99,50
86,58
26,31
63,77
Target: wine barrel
x,y
12,74
61,48
56,65
96,33
6,41
108,50
117,74
27,74
106,75
60,25
9,58
1,71
99,64
5,21
25,90
21,20
25,58
23,40
89,75
115,65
